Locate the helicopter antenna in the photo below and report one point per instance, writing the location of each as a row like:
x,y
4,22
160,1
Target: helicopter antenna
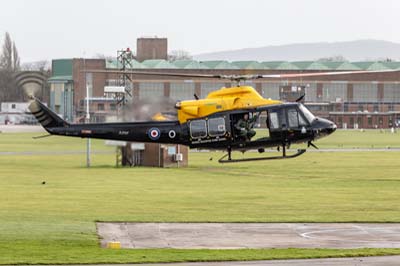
x,y
300,98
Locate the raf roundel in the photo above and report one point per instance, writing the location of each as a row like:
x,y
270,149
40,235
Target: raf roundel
x,y
172,134
154,133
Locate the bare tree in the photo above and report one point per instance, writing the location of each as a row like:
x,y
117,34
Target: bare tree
x,y
15,58
9,64
42,65
179,55
6,58
8,87
335,58
103,56
385,59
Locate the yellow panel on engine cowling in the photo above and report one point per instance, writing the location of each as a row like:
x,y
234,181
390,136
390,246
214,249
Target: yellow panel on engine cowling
x,y
224,99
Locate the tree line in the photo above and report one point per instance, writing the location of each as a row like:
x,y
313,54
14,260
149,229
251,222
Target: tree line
x,y
9,64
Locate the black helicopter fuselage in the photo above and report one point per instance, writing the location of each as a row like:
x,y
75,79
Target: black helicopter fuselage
x,y
286,123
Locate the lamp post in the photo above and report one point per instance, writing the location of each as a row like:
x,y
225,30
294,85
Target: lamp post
x,y
87,121
87,118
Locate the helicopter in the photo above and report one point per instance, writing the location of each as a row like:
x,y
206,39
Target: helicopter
x,y
212,123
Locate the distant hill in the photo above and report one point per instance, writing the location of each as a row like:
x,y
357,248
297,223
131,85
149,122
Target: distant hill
x,y
359,50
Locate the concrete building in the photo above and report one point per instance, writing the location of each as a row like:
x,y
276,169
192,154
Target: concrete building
x,y
16,113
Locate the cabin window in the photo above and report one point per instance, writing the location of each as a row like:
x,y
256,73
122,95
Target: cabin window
x,y
302,121
293,118
198,129
274,119
216,127
308,115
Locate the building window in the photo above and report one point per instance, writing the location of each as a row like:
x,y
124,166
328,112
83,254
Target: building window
x,y
114,82
380,120
359,121
369,121
391,92
13,106
181,91
351,121
376,108
100,107
360,107
207,87
291,93
271,90
365,92
334,92
345,108
89,83
340,121
151,90
390,107
113,107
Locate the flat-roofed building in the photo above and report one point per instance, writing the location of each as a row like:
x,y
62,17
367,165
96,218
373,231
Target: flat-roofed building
x,y
369,100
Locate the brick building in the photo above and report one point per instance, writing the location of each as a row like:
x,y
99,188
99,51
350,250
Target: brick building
x,y
352,101
151,48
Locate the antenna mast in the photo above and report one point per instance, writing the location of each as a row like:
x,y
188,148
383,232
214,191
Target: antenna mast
x,y
124,63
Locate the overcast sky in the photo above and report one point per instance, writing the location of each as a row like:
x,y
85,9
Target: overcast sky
x,y
47,29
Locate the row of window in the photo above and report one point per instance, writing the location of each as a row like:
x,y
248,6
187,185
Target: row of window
x,y
213,127
101,107
277,119
280,118
294,119
378,120
331,92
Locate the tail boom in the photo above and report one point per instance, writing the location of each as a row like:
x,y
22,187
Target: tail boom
x,y
149,131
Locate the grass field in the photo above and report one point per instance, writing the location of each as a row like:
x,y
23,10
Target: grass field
x,y
55,222
349,139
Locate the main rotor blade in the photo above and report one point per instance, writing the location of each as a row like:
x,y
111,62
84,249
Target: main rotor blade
x,y
149,73
240,77
318,74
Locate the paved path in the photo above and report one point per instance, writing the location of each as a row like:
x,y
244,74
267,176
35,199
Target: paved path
x,y
355,149
21,128
250,235
369,261
363,261
5,153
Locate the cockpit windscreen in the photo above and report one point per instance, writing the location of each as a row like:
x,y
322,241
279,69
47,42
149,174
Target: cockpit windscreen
x,y
309,116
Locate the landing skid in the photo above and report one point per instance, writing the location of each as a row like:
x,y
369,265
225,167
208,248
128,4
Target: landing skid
x,y
283,156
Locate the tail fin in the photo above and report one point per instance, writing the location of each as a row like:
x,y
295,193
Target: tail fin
x,y
46,117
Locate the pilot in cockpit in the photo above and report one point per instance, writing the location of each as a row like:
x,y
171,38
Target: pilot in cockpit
x,y
244,127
